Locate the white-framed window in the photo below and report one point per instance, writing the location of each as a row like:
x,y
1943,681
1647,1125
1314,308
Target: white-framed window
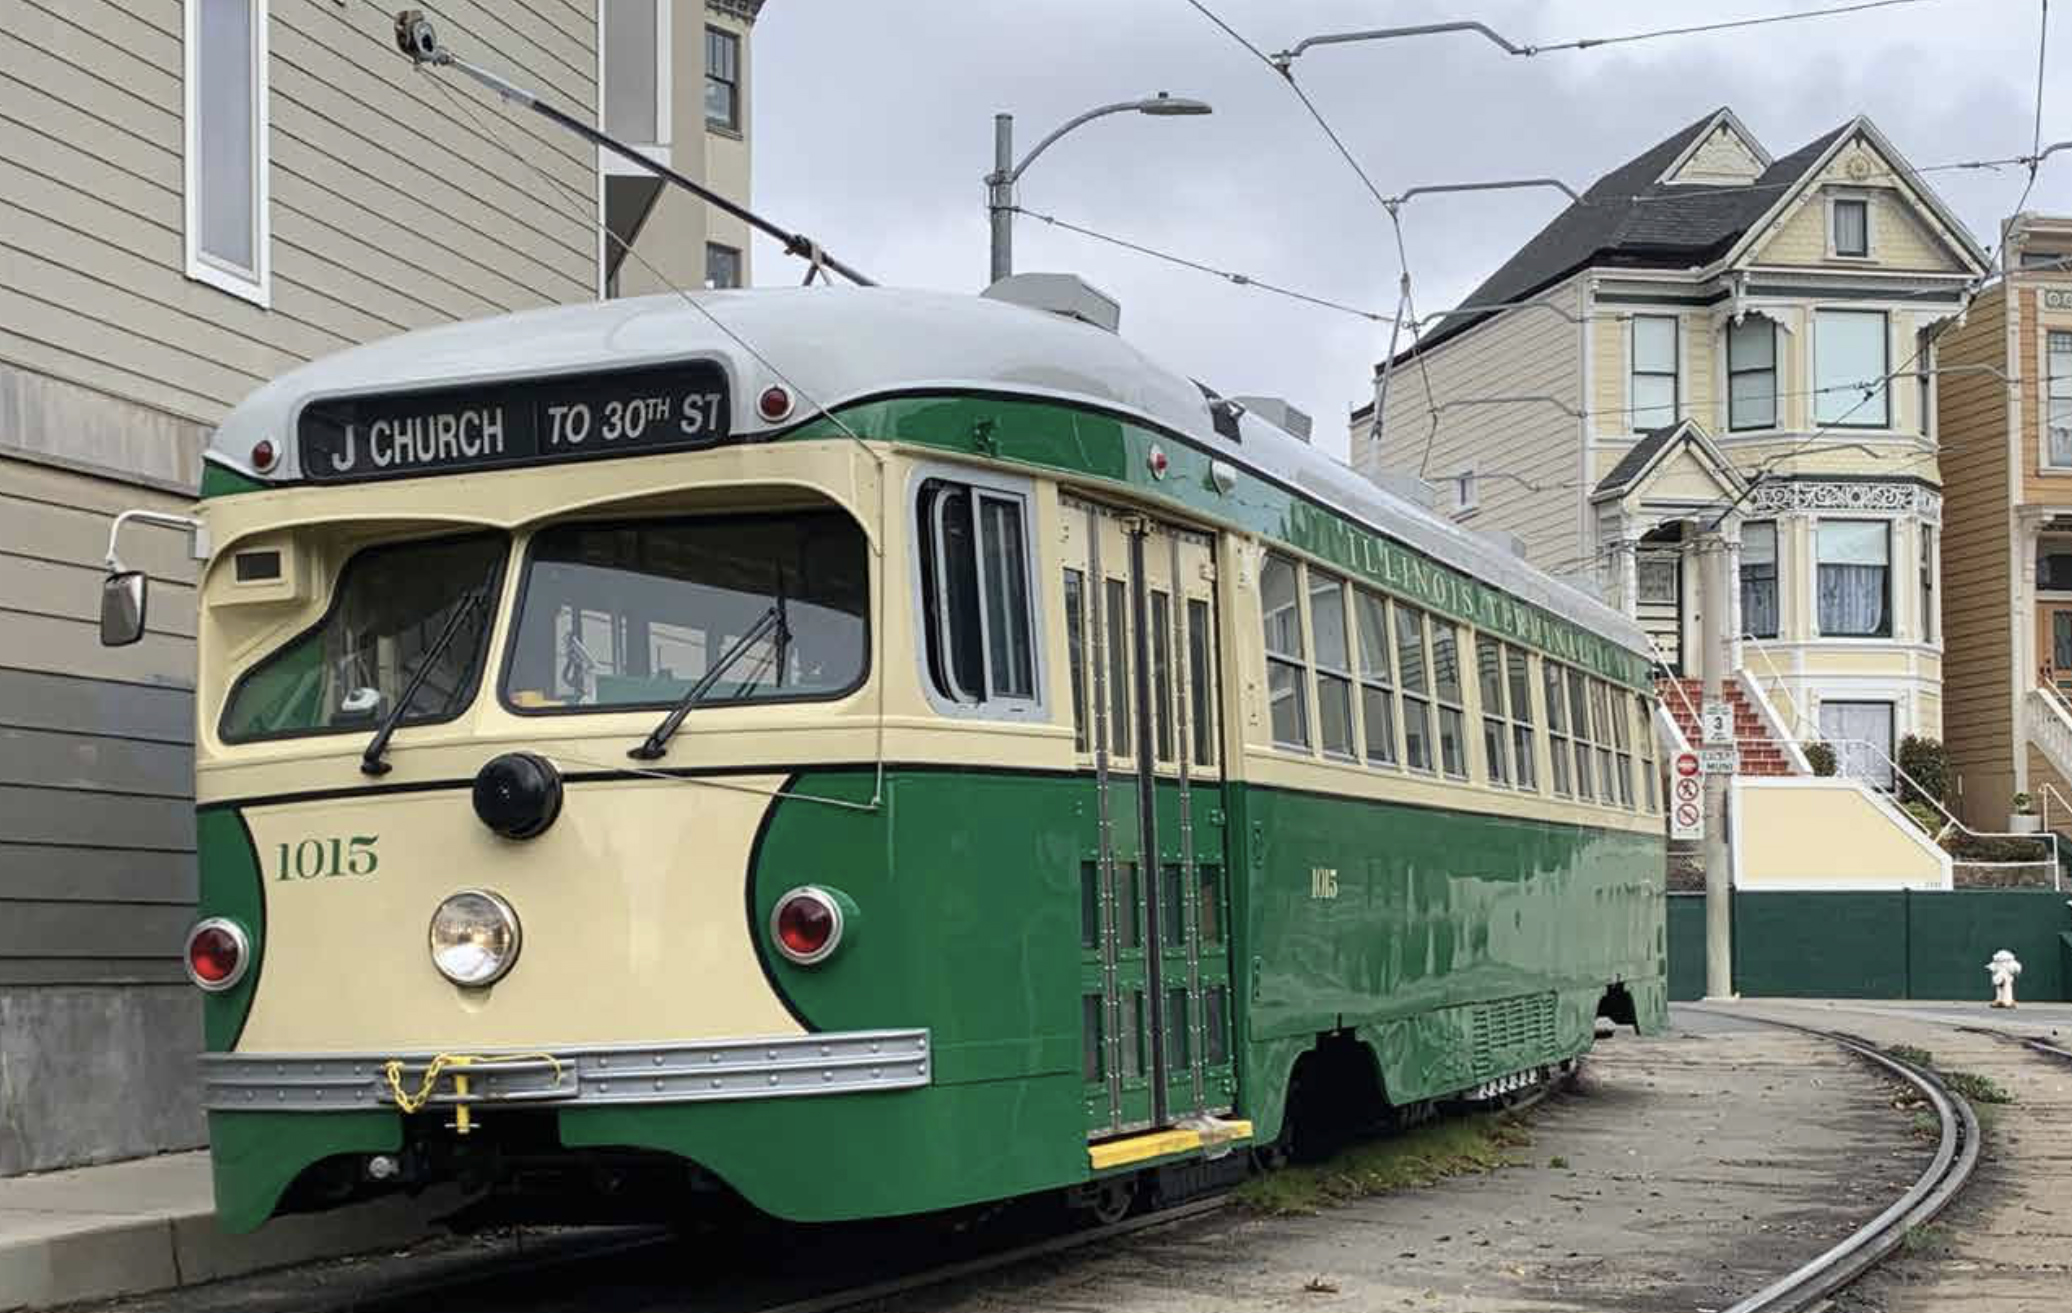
x,y
1644,726
722,79
2057,424
979,617
1849,226
1334,662
1930,626
1287,675
722,265
1467,492
1377,678
1453,709
1861,735
1852,354
1652,386
635,84
1558,739
1759,579
227,209
1854,578
1507,728
1751,374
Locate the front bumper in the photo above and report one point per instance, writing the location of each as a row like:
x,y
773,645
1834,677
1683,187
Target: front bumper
x,y
572,1076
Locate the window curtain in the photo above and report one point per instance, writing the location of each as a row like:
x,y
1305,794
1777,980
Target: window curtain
x,y
1854,564
1759,580
1861,734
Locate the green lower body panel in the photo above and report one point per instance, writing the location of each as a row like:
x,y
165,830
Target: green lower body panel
x,y
257,1155
868,1155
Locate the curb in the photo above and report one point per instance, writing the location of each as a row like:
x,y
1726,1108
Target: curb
x,y
78,1258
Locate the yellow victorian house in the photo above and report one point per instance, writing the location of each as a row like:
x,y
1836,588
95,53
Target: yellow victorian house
x,y
1713,334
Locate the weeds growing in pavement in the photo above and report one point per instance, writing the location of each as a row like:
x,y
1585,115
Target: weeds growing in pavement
x,y
1557,1162
1908,1053
1425,1156
1922,1239
1977,1088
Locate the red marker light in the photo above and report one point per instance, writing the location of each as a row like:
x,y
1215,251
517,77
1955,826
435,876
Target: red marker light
x,y
216,955
774,404
807,925
1157,461
264,455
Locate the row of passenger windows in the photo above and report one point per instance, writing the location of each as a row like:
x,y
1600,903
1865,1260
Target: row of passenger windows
x,y
1389,690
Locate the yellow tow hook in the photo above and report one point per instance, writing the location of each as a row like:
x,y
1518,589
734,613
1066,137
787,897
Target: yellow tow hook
x,y
463,1123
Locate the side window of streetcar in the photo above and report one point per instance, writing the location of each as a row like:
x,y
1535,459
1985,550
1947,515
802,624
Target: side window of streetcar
x,y
975,593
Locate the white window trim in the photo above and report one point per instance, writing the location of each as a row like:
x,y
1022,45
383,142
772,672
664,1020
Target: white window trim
x,y
1676,406
1870,226
1006,487
2044,328
609,163
1467,492
1814,392
200,267
1810,572
1725,332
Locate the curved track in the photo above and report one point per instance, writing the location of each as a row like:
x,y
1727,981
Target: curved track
x,y
1956,1156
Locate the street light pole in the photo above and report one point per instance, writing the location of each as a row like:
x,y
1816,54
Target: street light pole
x,y
1000,182
1000,196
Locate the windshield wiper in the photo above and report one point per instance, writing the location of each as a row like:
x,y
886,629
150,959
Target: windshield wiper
x,y
772,621
370,760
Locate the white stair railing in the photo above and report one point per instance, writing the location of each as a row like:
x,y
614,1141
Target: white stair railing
x,y
2049,727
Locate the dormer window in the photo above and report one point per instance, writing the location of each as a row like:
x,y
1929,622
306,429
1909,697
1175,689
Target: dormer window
x,y
1466,496
1852,227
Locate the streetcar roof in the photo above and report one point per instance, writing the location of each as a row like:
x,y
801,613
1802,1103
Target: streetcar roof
x,y
835,346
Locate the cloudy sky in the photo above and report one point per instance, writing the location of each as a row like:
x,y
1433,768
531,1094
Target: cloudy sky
x,y
874,127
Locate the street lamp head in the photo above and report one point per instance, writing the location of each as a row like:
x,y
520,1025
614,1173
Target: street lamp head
x,y
1163,104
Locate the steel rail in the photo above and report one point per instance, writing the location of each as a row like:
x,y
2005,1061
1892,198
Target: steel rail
x,y
1956,1156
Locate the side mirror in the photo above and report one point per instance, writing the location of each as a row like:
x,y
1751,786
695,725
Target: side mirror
x,y
123,597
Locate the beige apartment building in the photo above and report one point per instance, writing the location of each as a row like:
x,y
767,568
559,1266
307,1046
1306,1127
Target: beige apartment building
x,y
196,195
2005,415
1717,334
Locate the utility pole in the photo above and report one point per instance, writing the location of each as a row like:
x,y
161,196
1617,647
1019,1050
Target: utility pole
x,y
1719,872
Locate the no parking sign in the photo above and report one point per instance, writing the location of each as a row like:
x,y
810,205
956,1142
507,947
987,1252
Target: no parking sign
x,y
1686,797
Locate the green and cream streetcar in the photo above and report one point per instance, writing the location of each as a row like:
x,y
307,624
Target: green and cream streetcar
x,y
863,752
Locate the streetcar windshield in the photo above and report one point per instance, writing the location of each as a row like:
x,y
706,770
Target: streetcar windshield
x,y
632,614
391,606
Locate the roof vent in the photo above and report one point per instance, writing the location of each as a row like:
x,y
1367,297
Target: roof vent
x,y
1060,294
1505,541
1277,412
1409,487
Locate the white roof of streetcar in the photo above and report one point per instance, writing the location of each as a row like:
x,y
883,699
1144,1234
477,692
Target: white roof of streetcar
x,y
839,345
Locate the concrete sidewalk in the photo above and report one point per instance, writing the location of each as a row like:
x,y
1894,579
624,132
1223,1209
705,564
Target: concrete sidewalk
x,y
150,1224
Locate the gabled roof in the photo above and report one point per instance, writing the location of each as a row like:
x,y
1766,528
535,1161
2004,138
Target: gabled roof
x,y
1655,448
1631,218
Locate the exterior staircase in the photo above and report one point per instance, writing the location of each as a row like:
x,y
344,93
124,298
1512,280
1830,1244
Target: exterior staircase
x,y
1760,753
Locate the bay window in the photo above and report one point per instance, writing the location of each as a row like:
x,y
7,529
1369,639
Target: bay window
x,y
1759,579
2057,444
1855,567
1851,357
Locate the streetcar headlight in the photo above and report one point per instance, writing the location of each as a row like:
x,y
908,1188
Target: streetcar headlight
x,y
474,938
217,955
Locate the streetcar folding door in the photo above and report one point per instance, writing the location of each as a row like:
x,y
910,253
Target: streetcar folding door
x,y
1139,600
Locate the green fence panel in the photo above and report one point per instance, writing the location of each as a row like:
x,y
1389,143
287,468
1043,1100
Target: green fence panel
x,y
1686,947
1820,945
1951,935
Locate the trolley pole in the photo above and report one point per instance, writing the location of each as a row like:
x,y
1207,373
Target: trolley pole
x,y
1719,883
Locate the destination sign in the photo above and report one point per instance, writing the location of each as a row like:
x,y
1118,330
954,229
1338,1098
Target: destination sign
x,y
449,430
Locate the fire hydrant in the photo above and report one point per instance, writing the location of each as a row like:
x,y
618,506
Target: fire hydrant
x,y
2003,968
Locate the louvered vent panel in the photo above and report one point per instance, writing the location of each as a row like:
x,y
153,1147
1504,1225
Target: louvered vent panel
x,y
1512,1033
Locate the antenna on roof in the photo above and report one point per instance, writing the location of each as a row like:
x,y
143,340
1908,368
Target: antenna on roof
x,y
419,41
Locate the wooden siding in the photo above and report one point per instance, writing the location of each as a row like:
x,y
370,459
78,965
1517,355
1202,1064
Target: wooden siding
x,y
392,207
1521,353
1971,418
97,875
1903,234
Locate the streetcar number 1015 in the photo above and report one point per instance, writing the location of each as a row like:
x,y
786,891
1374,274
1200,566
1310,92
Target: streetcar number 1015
x,y
315,859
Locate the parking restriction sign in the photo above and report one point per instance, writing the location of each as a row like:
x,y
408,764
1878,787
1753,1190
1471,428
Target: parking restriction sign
x,y
1686,797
